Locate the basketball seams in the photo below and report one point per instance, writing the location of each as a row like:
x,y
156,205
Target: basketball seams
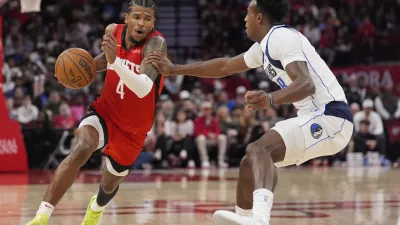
x,y
78,69
65,72
88,60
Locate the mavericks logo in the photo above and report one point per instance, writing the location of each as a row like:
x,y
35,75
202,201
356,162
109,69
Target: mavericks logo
x,y
316,130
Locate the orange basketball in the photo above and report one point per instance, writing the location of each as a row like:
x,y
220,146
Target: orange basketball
x,y
75,68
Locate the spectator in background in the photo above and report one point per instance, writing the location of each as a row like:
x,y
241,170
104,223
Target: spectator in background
x,y
27,113
180,130
18,97
157,135
246,123
45,140
312,32
264,86
167,109
364,141
208,134
387,104
366,39
273,117
54,103
375,125
78,108
240,92
354,108
223,100
228,127
352,93
12,111
64,120
173,84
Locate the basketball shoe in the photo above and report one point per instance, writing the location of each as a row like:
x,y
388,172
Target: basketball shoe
x,y
92,218
222,217
40,219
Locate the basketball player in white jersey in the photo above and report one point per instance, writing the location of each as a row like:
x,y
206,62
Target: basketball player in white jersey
x,y
324,123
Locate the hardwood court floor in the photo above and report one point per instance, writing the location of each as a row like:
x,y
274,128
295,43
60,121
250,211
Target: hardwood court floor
x,y
304,196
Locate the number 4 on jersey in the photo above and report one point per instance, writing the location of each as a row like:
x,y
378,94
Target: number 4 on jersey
x,y
120,89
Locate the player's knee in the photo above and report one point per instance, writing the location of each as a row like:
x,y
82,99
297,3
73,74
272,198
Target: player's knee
x,y
222,137
81,153
254,149
245,162
201,138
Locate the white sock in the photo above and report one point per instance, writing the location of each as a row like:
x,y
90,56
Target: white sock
x,y
262,203
243,212
45,208
95,207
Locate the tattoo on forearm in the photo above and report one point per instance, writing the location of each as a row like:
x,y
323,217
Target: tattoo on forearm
x,y
155,43
101,62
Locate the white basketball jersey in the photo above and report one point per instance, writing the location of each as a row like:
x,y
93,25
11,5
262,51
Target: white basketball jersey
x,y
283,45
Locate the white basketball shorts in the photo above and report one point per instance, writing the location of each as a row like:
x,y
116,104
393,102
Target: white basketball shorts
x,y
311,136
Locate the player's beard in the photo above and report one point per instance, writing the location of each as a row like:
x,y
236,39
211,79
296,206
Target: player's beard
x,y
135,42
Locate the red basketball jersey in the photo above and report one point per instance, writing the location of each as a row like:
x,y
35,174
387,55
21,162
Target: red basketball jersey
x,y
117,102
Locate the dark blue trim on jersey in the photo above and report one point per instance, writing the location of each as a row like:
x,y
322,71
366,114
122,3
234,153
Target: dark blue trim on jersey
x,y
276,63
336,109
308,61
339,109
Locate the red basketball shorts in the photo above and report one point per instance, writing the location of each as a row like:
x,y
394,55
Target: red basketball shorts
x,y
120,147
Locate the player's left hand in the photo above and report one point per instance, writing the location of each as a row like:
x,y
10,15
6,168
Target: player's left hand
x,y
110,46
256,100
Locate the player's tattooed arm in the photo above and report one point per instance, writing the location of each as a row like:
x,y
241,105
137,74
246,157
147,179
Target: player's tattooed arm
x,y
155,43
101,62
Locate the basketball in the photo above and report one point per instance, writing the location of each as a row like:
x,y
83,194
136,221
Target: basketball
x,y
75,68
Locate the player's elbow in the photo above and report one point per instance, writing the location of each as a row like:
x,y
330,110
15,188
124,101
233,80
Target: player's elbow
x,y
309,87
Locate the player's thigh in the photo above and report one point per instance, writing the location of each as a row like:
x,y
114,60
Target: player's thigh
x,y
93,129
311,137
122,151
333,136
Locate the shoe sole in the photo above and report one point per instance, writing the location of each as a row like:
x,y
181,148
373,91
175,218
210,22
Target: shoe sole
x,y
222,218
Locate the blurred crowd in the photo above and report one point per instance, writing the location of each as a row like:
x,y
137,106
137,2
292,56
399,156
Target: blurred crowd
x,y
345,32
199,122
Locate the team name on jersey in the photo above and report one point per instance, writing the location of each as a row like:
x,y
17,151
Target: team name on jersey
x,y
270,71
132,66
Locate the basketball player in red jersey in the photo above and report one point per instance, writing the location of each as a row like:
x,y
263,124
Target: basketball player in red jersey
x,y
114,121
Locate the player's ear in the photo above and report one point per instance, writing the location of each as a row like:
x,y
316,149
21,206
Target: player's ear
x,y
259,18
126,18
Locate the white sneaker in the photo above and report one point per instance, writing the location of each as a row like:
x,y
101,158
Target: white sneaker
x,y
222,217
205,164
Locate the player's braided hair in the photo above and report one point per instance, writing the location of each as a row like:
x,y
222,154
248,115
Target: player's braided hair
x,y
275,9
143,3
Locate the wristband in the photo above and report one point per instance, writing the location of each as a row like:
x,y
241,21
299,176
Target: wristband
x,y
270,99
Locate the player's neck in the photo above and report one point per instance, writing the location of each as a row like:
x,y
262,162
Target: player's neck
x,y
263,32
128,44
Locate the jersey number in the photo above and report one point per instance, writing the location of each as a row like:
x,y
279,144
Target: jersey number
x,y
281,83
120,89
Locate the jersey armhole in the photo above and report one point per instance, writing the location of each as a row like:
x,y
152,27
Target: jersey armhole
x,y
116,29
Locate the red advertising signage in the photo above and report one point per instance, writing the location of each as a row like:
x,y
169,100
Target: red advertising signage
x,y
12,148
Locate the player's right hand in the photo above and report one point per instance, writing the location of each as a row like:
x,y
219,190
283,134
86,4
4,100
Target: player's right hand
x,y
160,62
